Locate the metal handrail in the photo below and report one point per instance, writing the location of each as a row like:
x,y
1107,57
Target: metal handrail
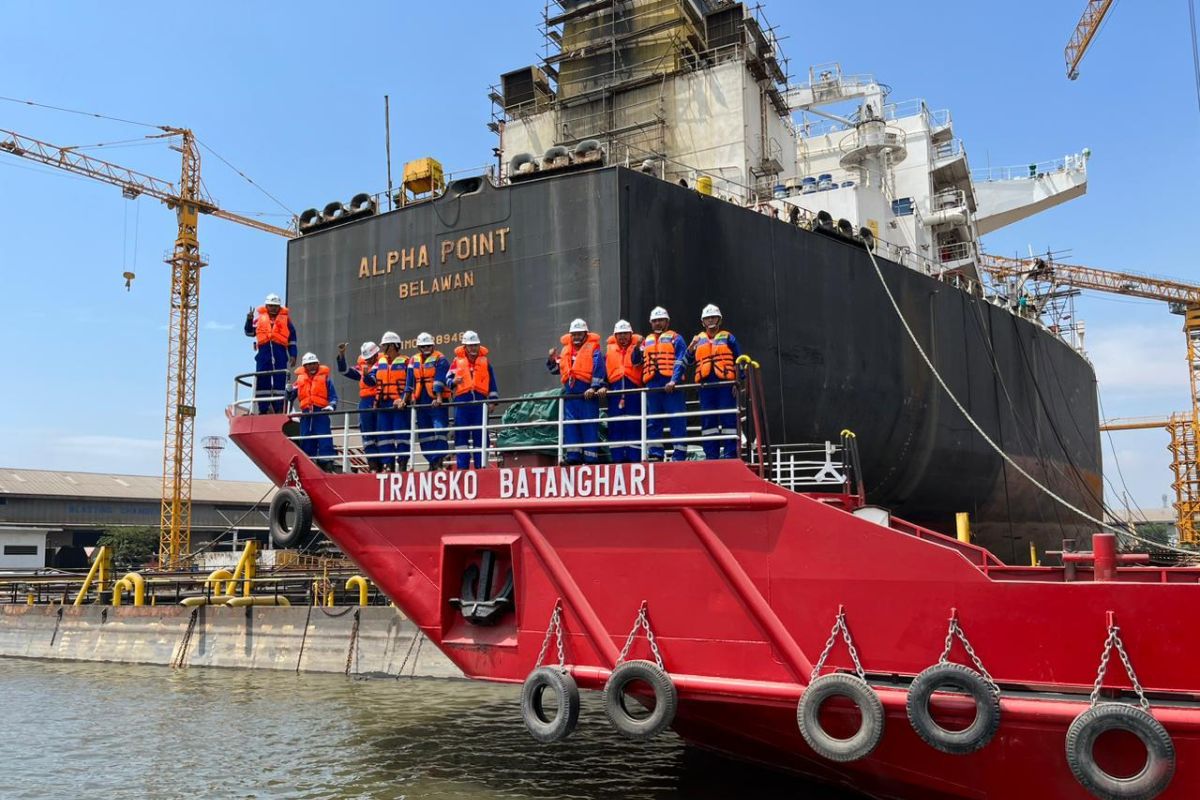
x,y
489,451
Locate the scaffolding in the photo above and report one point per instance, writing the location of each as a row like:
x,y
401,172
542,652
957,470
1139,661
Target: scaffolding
x,y
607,68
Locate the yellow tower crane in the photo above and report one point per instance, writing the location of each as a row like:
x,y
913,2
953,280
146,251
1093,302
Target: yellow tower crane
x,y
1085,31
1184,299
189,200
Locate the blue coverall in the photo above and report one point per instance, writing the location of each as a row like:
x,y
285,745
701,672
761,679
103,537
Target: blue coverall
x,y
271,357
431,420
661,402
368,417
468,421
312,424
392,424
581,442
621,406
720,405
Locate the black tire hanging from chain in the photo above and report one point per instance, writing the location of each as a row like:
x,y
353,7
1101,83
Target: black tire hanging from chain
x,y
870,708
1153,778
294,500
542,726
666,699
987,708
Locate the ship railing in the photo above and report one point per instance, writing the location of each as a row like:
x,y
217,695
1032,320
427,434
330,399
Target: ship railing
x,y
1076,162
810,467
354,445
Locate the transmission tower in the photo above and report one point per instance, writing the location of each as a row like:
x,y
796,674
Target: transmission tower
x,y
214,445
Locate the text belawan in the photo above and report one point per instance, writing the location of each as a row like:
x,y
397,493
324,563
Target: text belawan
x,y
588,480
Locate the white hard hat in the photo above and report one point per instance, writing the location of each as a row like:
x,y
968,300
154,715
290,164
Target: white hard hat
x,y
272,300
369,350
424,339
710,310
659,313
622,326
578,326
390,337
310,358
470,337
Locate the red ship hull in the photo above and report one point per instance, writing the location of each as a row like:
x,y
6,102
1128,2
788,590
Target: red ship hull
x,y
743,580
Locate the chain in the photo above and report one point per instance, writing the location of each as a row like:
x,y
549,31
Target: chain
x,y
642,621
553,629
293,476
840,625
1114,642
955,630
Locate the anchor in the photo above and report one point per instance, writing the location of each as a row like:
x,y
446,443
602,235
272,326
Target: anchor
x,y
477,604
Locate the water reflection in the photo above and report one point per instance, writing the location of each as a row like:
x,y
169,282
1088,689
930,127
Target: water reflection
x,y
104,729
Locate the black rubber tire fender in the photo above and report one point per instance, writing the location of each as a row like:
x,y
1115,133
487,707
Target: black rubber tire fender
x,y
297,501
944,676
566,692
666,699
1153,778
870,708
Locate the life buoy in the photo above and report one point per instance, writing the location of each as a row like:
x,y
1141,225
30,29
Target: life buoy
x,y
940,677
543,727
870,709
1154,776
666,699
289,500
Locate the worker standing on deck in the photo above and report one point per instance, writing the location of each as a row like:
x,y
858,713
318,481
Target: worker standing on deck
x,y
368,397
389,374
473,383
580,366
274,352
315,393
715,353
663,356
426,389
623,368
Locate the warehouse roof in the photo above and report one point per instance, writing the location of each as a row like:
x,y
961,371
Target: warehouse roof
x,y
55,483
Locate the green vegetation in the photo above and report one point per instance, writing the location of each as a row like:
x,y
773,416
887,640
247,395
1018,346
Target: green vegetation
x,y
131,547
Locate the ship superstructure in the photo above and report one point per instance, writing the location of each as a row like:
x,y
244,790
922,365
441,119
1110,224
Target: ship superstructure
x,y
698,91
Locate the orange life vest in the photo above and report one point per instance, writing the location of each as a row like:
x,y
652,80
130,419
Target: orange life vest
x,y
312,390
714,356
390,377
423,374
470,376
658,355
577,364
364,367
619,363
266,330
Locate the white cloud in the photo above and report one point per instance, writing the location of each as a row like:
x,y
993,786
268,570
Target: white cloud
x,y
1139,359
92,445
212,325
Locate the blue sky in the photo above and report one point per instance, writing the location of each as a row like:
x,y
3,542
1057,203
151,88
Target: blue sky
x,y
291,94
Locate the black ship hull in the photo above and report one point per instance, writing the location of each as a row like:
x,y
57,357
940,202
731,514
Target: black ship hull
x,y
517,263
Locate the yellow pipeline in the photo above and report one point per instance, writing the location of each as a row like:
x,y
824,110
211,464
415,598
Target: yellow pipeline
x,y
99,568
138,585
244,570
1033,559
242,602
216,577
361,583
118,588
962,522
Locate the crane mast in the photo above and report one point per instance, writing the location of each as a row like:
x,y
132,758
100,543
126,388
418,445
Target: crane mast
x,y
1182,298
189,201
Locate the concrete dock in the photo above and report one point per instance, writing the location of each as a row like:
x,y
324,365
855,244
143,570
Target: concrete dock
x,y
353,640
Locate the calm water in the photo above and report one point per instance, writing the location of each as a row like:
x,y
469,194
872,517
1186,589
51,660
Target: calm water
x,y
103,730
